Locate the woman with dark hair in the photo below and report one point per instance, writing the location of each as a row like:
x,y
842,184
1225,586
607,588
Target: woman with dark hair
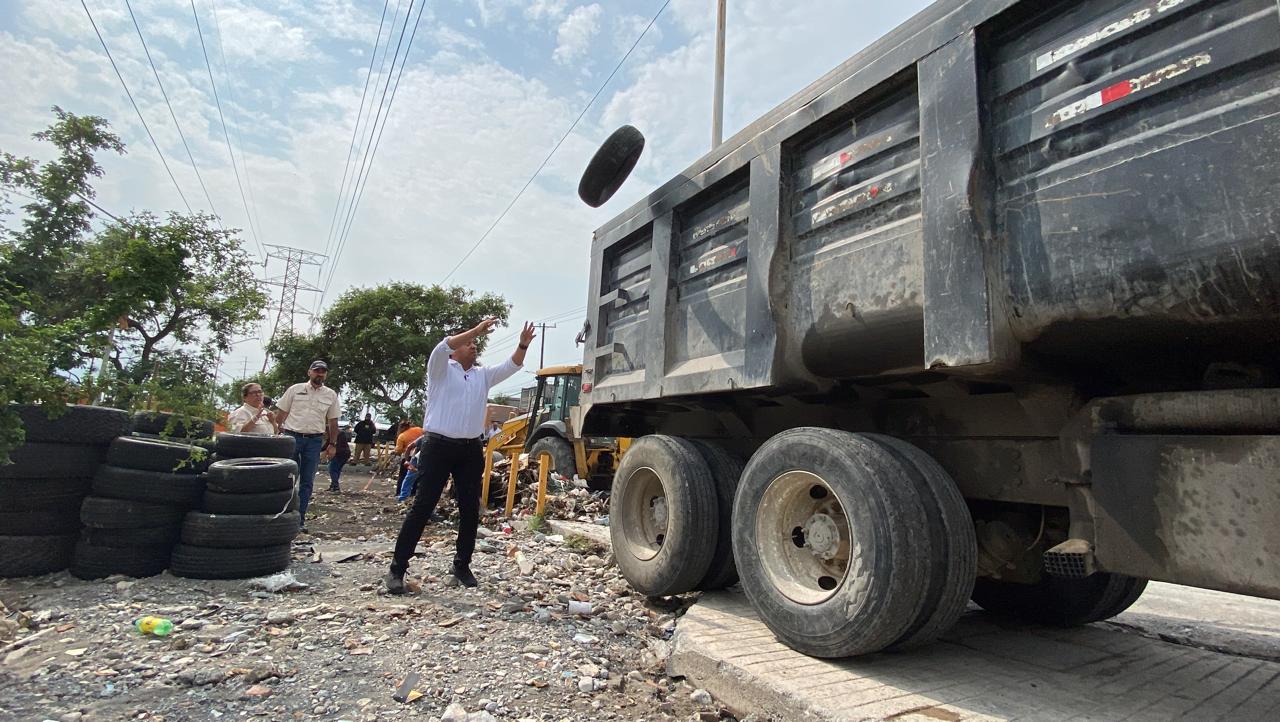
x,y
252,417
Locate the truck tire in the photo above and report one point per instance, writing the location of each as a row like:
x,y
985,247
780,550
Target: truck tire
x,y
663,516
610,166
809,498
38,460
147,536
238,446
43,494
1059,602
237,531
954,564
103,513
157,487
726,470
197,562
171,426
252,475
270,503
27,556
561,452
90,561
28,523
133,452
96,425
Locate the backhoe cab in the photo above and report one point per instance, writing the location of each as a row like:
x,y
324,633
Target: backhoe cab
x,y
547,430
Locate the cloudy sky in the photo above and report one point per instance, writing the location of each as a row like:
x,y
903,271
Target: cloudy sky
x,y
489,87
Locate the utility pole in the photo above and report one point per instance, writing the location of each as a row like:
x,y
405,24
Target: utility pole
x,y
290,283
542,349
717,100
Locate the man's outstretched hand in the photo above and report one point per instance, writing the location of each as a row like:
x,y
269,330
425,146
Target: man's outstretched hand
x,y
526,334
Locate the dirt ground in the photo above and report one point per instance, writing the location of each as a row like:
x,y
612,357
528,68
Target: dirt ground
x,y
331,645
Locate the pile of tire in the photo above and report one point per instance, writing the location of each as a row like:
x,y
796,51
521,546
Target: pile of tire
x,y
160,424
133,516
41,491
249,512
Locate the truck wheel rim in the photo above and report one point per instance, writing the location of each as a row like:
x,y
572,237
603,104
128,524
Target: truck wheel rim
x,y
802,537
645,524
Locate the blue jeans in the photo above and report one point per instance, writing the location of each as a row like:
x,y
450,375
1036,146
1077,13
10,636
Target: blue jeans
x,y
409,486
306,452
335,470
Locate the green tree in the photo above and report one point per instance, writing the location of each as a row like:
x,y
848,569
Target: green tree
x,y
182,281
380,337
157,299
291,356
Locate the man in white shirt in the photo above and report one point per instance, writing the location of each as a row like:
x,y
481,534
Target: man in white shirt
x,y
252,417
458,390
309,413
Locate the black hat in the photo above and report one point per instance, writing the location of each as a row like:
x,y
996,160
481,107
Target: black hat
x,y
318,364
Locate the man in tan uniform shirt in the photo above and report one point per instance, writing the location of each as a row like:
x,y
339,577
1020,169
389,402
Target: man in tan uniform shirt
x,y
309,413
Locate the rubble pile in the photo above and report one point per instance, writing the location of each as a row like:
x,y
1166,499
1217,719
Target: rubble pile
x,y
552,633
568,499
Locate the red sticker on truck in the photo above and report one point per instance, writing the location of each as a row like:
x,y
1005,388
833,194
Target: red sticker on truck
x,y
1124,88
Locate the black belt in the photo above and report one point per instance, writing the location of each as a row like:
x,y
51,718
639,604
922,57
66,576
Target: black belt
x,y
291,432
450,440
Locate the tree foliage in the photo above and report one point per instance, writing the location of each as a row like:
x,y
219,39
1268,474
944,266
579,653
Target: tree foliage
x,y
377,341
157,298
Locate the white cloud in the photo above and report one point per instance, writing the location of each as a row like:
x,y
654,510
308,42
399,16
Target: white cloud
x,y
464,134
575,33
545,9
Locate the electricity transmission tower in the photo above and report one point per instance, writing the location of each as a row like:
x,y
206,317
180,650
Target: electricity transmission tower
x,y
290,283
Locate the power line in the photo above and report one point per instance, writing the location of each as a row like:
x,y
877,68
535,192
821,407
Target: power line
x,y
136,109
362,182
560,142
225,135
231,91
82,197
172,115
346,168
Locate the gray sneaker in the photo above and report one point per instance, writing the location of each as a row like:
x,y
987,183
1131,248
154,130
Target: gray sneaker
x,y
395,582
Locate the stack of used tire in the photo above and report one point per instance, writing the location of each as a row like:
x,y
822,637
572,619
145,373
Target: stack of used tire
x,y
160,424
133,517
41,491
249,512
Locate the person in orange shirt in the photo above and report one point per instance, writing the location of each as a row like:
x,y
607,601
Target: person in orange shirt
x,y
408,434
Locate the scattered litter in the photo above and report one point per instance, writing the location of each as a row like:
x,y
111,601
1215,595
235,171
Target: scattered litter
x,y
279,582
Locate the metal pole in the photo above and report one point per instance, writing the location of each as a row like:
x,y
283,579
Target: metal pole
x,y
717,101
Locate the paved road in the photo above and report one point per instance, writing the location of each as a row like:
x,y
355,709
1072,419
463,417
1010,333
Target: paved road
x,y
1222,665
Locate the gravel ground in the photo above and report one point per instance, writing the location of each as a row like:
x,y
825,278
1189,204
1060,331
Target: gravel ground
x,y
332,645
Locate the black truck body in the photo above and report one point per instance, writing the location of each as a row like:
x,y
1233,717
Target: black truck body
x,y
1039,240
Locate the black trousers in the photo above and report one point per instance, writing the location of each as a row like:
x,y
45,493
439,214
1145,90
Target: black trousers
x,y
437,461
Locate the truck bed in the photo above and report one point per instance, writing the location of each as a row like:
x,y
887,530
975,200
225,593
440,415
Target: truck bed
x,y
1082,191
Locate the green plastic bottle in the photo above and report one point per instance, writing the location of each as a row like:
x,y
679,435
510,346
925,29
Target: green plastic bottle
x,y
159,626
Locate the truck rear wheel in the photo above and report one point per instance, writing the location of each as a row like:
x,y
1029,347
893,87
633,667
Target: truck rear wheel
x,y
827,540
954,564
1060,602
726,470
561,452
664,523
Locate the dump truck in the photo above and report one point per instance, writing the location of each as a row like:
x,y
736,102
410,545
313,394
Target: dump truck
x,y
547,433
991,311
